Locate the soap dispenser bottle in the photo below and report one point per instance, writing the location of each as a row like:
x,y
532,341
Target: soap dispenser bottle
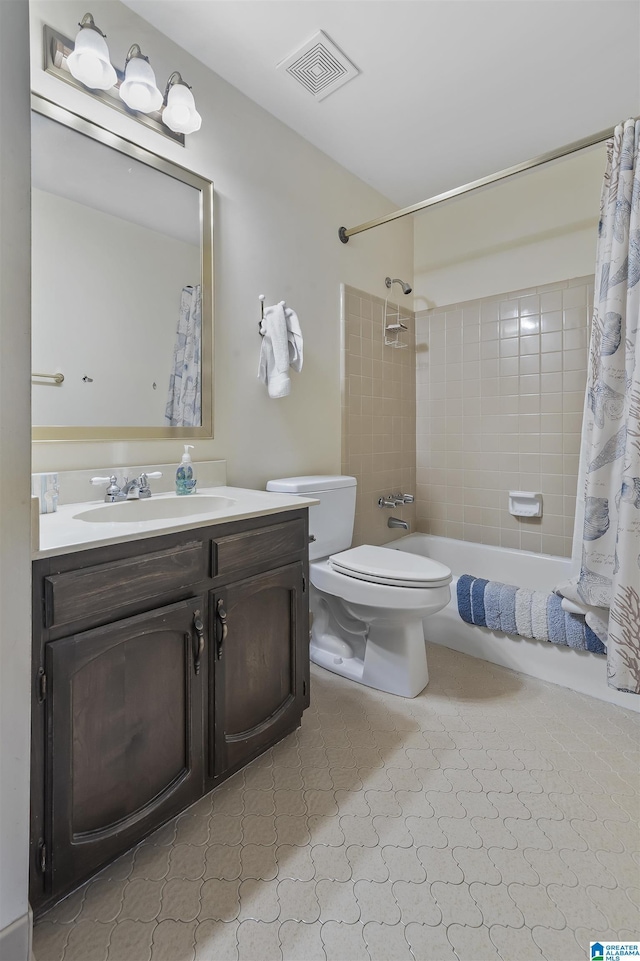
x,y
185,481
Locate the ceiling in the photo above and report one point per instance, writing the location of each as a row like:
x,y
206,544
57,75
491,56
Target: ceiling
x,y
449,90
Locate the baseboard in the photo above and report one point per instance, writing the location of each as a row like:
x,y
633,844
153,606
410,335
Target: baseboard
x,y
15,940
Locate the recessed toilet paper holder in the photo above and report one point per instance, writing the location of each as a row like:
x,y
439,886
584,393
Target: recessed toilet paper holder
x,y
525,503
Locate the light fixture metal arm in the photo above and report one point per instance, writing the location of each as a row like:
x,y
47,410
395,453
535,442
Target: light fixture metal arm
x,y
176,77
135,51
88,21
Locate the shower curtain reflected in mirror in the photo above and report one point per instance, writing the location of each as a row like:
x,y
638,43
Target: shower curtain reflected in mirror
x,y
184,403
607,543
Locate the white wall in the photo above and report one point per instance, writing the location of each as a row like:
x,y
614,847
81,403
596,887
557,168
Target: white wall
x,y
15,573
279,204
535,228
121,332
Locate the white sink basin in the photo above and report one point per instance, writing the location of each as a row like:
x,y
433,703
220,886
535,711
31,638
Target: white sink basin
x,y
155,509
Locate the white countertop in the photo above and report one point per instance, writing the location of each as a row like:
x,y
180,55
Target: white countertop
x,y
64,532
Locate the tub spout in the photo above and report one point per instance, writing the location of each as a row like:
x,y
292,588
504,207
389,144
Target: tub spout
x,y
396,522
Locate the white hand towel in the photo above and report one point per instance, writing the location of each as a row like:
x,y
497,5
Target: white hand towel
x,y
281,347
294,335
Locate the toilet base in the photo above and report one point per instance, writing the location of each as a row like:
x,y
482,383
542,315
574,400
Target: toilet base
x,y
350,667
395,658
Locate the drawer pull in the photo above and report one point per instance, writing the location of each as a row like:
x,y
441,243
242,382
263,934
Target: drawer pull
x,y
222,621
199,644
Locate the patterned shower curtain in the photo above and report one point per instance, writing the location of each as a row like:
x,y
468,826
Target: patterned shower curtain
x,y
610,459
184,403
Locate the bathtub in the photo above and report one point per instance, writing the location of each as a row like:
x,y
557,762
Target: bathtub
x,y
578,670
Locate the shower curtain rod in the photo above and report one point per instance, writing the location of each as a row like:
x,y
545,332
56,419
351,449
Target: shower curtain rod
x,y
344,233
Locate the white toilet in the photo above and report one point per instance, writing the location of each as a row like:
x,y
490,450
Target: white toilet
x,y
368,602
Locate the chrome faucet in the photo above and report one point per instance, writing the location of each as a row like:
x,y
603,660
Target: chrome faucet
x,y
131,488
138,488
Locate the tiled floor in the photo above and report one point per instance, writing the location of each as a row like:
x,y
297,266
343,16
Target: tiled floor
x,y
493,817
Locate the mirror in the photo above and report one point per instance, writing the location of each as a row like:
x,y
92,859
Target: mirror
x,y
122,289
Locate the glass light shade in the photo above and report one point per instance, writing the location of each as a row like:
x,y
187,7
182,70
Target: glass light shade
x,y
138,89
89,62
180,113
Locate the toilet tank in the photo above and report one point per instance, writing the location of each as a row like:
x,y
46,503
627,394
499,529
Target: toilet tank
x,y
330,521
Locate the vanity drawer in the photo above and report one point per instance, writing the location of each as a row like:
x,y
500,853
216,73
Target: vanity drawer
x,y
264,546
94,591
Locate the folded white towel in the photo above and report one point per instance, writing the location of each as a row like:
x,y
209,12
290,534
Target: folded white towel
x,y
599,623
281,348
597,618
572,607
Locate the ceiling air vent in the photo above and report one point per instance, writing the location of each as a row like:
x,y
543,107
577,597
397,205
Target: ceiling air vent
x,y
319,66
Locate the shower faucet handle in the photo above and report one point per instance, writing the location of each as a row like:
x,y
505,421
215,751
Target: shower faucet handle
x,y
396,500
402,498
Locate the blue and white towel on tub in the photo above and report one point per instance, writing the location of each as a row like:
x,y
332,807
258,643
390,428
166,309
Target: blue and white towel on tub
x,y
527,613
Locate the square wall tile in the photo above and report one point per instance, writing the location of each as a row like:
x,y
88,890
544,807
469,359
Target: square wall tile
x,y
489,393
380,433
520,417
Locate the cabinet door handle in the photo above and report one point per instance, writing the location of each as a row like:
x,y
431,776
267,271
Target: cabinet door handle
x,y
198,648
222,621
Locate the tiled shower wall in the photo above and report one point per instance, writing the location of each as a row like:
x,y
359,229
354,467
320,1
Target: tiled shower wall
x,y
378,414
500,393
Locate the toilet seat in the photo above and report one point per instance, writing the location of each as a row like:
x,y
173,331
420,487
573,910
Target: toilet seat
x,y
379,565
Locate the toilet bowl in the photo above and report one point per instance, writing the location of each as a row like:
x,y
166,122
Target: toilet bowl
x,y
380,642
367,602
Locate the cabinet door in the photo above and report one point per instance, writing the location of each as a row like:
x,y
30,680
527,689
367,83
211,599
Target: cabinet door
x,y
125,735
260,674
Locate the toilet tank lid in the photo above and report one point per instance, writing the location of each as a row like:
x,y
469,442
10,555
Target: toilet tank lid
x,y
310,483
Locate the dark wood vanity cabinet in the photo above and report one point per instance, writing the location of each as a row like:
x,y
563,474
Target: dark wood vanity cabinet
x,y
257,623
161,666
125,744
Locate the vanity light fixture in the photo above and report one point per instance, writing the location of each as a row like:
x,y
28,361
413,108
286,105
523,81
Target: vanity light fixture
x,y
85,64
89,63
180,112
139,89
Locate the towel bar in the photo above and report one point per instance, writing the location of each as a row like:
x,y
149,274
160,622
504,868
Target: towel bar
x,y
56,378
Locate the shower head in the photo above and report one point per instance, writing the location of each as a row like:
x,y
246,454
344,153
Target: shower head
x,y
406,289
